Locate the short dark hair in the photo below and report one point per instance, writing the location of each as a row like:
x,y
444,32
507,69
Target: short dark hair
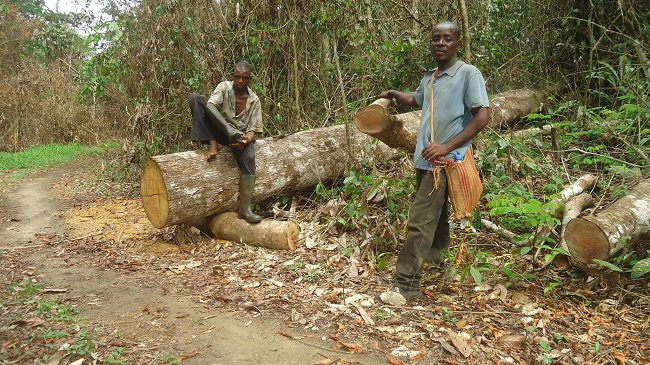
x,y
242,65
454,27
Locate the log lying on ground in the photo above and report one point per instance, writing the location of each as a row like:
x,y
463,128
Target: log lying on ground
x,y
184,188
274,234
400,131
602,235
509,107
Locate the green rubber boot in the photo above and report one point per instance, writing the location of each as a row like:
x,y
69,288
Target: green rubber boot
x,y
246,187
231,132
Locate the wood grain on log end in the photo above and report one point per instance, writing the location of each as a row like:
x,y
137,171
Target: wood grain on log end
x,y
586,241
154,194
372,119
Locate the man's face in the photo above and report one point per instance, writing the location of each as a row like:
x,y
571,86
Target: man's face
x,y
444,43
241,78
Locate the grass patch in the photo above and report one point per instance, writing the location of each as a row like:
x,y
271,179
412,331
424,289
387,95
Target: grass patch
x,y
59,330
37,157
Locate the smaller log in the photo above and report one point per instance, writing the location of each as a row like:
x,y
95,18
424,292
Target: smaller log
x,y
376,121
602,235
273,234
572,209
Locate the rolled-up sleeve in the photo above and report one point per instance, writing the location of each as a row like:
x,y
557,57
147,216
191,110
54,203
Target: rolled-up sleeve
x,y
255,124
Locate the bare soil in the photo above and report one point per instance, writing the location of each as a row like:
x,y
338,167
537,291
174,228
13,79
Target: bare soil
x,y
176,296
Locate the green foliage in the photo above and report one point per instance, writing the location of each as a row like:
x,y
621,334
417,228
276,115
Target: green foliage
x,y
42,156
359,189
62,318
112,358
515,209
54,311
640,268
28,290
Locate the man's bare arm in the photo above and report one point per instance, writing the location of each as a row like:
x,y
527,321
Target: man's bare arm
x,y
407,99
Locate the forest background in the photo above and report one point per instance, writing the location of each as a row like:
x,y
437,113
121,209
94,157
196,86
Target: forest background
x,y
316,63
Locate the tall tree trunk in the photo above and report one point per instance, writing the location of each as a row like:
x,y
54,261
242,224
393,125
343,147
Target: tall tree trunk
x,y
344,101
467,53
628,18
296,76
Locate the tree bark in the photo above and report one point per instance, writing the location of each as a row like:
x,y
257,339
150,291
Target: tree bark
x,y
274,234
400,131
467,40
602,235
184,188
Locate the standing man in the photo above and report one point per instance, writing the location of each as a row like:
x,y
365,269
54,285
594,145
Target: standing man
x,y
460,112
231,117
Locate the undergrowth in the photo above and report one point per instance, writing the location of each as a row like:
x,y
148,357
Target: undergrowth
x,y
57,332
521,179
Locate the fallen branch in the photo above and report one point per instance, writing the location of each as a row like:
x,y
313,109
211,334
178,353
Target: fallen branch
x,y
572,209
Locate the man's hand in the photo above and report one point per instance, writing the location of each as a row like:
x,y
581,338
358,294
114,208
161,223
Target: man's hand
x,y
246,139
435,151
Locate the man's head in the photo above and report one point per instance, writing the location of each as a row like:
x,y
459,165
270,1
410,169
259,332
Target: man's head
x,y
445,41
241,76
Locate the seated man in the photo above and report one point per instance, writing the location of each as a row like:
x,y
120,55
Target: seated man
x,y
231,117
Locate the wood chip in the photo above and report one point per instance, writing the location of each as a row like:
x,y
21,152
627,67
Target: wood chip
x,y
364,314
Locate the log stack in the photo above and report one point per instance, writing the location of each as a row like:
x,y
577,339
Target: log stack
x,y
182,188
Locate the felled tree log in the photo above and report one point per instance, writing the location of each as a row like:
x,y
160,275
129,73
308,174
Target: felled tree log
x,y
400,131
184,188
602,235
507,108
269,233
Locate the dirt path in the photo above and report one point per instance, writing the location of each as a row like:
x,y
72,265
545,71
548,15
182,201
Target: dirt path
x,y
142,309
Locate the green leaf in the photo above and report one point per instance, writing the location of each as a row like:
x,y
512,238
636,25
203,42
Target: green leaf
x,y
608,265
641,268
545,346
476,274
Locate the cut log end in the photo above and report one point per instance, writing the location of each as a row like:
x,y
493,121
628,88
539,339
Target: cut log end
x,y
154,194
372,119
586,241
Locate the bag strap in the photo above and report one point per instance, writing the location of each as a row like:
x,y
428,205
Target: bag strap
x,y
431,104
